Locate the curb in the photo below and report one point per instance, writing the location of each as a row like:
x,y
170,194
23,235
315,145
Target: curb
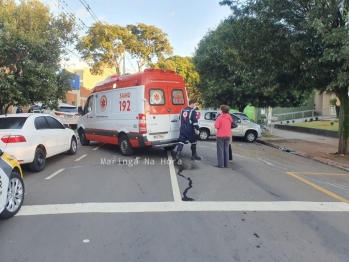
x,y
302,154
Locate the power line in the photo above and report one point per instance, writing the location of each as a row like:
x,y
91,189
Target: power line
x,y
88,8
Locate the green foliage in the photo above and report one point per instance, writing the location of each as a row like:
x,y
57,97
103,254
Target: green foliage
x,y
287,122
333,101
32,42
306,120
332,123
311,119
316,118
293,121
104,46
236,68
313,36
146,43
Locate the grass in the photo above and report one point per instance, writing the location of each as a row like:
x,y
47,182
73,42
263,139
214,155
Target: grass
x,y
326,125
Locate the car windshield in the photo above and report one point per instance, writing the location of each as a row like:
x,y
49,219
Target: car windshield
x,y
12,122
68,109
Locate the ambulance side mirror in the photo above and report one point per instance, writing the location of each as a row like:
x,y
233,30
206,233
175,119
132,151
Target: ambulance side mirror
x,y
1,152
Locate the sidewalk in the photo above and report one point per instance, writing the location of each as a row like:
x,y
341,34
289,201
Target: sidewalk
x,y
319,148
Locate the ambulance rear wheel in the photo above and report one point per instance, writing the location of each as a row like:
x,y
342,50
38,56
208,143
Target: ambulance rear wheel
x,y
170,148
125,146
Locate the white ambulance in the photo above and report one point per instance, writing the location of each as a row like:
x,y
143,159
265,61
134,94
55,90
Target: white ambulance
x,y
133,111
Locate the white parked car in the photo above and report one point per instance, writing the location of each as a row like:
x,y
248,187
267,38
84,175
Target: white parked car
x,y
31,138
67,114
247,129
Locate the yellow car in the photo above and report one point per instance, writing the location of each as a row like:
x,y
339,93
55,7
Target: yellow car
x,y
11,186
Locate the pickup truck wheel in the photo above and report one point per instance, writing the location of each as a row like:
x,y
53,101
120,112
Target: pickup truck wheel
x,y
39,161
125,146
73,146
170,148
250,136
204,134
15,196
83,140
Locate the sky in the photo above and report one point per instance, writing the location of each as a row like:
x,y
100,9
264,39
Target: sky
x,y
185,21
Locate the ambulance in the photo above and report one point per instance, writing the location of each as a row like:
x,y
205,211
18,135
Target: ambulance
x,y
134,111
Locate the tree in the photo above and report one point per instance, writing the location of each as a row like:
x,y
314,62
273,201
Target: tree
x,y
147,42
235,69
183,66
32,41
321,35
104,47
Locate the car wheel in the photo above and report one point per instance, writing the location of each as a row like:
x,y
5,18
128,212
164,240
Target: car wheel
x,y
15,196
170,148
250,136
73,147
125,146
39,161
204,134
83,140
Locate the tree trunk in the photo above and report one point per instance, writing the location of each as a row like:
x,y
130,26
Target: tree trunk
x,y
6,108
343,131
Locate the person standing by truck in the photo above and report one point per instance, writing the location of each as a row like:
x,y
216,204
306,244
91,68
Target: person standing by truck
x,y
188,131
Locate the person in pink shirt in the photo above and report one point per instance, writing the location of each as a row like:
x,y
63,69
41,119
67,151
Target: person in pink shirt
x,y
223,135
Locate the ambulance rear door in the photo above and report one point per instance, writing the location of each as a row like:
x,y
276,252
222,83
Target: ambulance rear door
x,y
157,111
177,101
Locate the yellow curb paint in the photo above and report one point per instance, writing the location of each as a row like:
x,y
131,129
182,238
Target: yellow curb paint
x,y
323,190
326,174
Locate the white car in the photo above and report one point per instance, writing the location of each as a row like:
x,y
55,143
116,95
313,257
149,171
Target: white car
x,y
247,129
31,138
67,114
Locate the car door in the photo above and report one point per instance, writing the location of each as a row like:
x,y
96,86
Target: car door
x,y
238,130
89,115
47,135
62,137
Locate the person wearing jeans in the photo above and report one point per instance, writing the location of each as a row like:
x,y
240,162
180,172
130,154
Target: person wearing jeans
x,y
223,135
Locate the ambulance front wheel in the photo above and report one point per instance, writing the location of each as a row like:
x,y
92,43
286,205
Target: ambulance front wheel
x,y
125,146
83,139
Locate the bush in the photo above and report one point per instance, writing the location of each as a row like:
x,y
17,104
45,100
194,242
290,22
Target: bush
x,y
292,121
305,120
316,118
332,123
288,122
281,123
311,119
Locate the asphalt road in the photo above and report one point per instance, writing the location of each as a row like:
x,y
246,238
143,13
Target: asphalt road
x,y
100,206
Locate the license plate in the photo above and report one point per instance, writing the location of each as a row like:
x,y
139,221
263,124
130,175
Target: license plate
x,y
68,116
159,136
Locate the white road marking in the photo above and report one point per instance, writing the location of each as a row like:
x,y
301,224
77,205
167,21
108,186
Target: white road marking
x,y
174,181
142,207
86,240
268,163
98,146
55,173
80,158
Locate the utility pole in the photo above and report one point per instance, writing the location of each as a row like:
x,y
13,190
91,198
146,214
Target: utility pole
x,y
124,64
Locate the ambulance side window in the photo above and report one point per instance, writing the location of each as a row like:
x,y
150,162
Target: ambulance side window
x,y
156,97
177,97
89,105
